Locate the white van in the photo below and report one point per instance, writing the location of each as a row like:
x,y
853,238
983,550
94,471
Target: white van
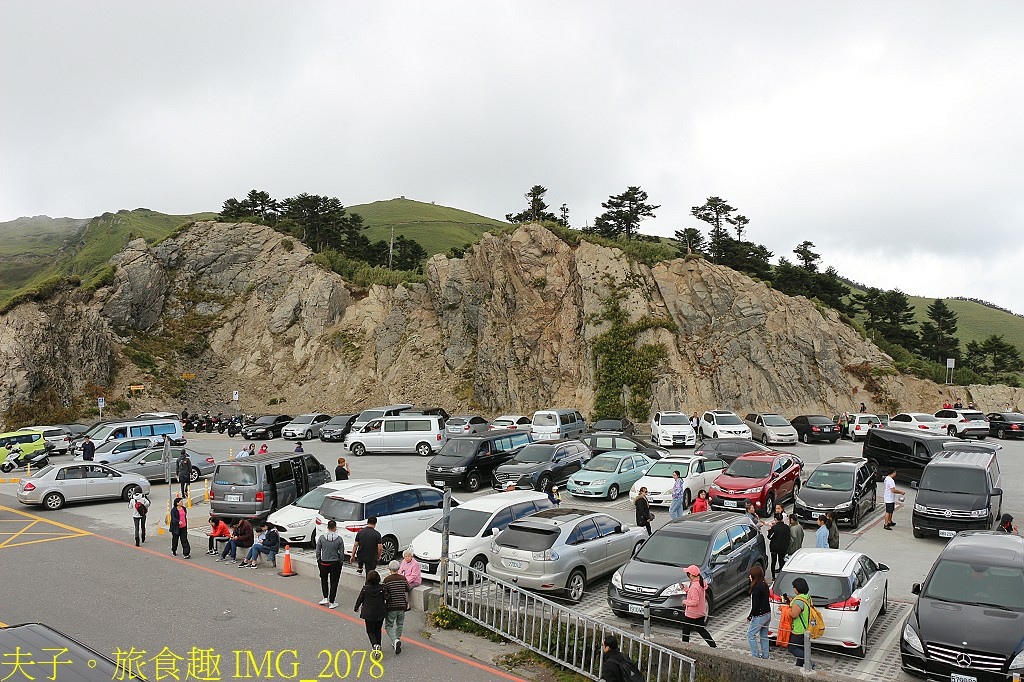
x,y
552,424
377,412
133,428
423,434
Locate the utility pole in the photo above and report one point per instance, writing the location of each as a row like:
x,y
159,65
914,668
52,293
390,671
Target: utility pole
x,y
391,247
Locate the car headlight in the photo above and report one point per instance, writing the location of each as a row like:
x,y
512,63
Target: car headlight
x,y
1018,662
715,486
673,590
494,547
600,481
979,513
459,470
296,524
753,490
456,554
919,507
912,640
799,501
844,505
617,579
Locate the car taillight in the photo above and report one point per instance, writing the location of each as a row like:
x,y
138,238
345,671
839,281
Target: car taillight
x,y
354,529
774,598
1015,427
857,427
963,421
211,493
851,604
815,428
439,437
259,496
466,427
319,522
29,487
923,426
209,460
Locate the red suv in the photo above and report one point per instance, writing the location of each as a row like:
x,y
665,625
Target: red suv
x,y
763,478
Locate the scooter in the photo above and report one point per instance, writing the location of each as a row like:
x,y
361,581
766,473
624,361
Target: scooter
x,y
234,427
15,460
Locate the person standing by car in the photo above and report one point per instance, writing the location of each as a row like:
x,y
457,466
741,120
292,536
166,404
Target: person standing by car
x,y
796,535
694,421
88,449
263,449
139,505
374,609
367,547
396,596
643,511
799,611
752,515
342,471
675,509
778,544
833,530
695,615
298,447
863,408
779,509
330,549
821,535
179,529
184,471
701,503
760,613
889,497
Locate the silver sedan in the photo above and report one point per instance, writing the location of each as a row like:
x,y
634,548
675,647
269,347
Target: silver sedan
x,y
150,463
58,484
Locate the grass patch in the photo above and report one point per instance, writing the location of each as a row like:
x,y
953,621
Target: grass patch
x,y
363,274
438,229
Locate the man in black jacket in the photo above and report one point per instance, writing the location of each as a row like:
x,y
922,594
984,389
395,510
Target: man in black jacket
x,y
615,666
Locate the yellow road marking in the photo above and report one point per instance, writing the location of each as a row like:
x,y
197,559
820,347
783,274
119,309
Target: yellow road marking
x,y
34,542
33,520
45,520
18,534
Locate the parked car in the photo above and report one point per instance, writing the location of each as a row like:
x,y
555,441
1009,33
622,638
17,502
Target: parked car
x,y
150,463
296,522
305,426
75,430
696,471
465,425
55,485
849,588
266,427
403,511
907,451
722,424
470,461
769,428
844,486
964,423
969,615
603,441
28,441
423,434
539,464
556,424
608,474
958,491
561,550
815,427
256,486
857,425
369,414
471,527
724,546
1006,424
116,451
336,428
762,478
620,425
672,429
511,421
917,421
728,449
55,435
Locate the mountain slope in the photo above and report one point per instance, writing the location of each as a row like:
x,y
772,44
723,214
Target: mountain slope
x,y
436,228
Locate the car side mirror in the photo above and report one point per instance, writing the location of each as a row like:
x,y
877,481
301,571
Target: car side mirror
x,y
440,505
494,531
110,477
913,484
915,588
620,529
883,567
997,492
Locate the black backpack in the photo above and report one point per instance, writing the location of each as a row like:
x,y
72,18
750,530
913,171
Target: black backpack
x,y
629,671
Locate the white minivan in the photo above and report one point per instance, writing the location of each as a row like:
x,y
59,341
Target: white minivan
x,y
553,424
423,434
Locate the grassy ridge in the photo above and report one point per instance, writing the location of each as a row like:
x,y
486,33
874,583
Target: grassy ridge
x,y
436,228
36,236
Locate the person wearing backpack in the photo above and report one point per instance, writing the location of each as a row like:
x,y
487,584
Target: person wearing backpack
x,y
139,506
616,666
184,472
800,610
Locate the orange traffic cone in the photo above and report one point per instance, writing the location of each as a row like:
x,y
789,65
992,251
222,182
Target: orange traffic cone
x,y
286,569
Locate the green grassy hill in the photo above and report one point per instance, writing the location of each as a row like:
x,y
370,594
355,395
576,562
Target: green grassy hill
x,y
436,228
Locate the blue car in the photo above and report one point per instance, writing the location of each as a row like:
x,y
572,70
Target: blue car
x,y
608,474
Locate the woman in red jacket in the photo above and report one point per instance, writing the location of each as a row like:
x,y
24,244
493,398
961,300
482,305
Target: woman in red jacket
x,y
218,529
701,503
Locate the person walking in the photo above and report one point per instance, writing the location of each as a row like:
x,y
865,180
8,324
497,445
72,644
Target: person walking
x,y
88,449
372,608
184,471
889,497
694,421
330,549
695,615
760,614
396,597
799,611
410,569
139,505
821,535
643,511
342,471
796,535
367,547
833,530
701,503
179,529
675,509
778,543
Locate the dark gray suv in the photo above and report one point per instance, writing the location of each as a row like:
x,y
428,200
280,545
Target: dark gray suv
x,y
538,464
724,545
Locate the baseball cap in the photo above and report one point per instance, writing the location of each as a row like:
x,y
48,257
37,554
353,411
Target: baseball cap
x,y
692,570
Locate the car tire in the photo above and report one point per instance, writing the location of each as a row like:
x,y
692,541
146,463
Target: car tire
x,y
769,505
358,449
480,564
951,431
309,435
686,499
576,586
714,434
806,438
473,481
982,437
129,491
194,475
833,440
1001,434
885,602
53,501
709,597
855,521
424,450
764,439
613,492
390,549
874,500
543,482
862,650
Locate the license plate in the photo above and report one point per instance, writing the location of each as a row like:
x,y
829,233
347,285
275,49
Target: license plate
x,y
636,608
513,564
957,677
948,534
232,498
440,483
730,503
815,515
424,567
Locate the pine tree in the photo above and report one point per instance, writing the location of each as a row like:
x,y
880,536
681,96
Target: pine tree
x,y
716,212
623,214
938,335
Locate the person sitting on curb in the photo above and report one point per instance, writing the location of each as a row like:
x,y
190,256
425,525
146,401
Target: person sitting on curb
x,y
219,532
241,536
269,543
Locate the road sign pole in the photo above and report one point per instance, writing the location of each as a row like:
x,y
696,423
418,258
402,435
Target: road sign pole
x,y
442,569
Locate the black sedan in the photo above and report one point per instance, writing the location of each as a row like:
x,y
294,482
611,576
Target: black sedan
x,y
812,427
1005,424
622,425
268,426
606,441
728,449
335,430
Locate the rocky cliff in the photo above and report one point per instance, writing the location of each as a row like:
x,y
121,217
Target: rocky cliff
x,y
510,327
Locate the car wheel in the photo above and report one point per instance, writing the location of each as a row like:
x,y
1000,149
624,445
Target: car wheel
x,y
806,438
309,435
424,450
686,499
715,434
543,483
833,440
764,439
53,501
874,500
390,549
576,585
193,475
982,437
769,505
862,650
709,597
358,449
479,564
613,492
473,482
1001,434
918,534
885,602
129,491
855,522
951,431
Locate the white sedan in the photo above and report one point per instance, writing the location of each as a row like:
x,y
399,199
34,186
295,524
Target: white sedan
x,y
296,522
917,421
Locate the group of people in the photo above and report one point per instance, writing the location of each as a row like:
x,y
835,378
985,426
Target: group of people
x,y
250,450
958,405
239,534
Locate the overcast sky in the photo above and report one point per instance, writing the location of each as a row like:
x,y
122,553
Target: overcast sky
x,y
889,134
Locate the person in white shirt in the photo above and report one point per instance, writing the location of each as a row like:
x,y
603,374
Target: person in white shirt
x,y
889,497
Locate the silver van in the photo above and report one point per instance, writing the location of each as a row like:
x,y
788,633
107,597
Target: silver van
x,y
255,486
554,424
423,434
133,428
378,412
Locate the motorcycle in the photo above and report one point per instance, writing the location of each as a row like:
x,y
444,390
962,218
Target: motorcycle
x,y
15,460
234,427
221,422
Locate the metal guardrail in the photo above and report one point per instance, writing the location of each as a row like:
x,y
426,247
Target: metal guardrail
x,y
570,639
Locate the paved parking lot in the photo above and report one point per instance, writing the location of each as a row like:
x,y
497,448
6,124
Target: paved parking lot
x,y
909,558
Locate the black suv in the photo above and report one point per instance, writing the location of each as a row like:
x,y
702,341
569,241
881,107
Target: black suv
x,y
268,426
969,615
470,461
905,451
725,546
958,491
539,464
812,427
844,486
605,441
728,449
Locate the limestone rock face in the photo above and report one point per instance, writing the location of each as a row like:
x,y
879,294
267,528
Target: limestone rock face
x,y
509,327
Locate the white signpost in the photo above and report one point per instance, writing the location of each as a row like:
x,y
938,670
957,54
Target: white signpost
x,y
950,364
100,402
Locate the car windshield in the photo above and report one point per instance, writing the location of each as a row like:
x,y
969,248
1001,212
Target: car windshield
x,y
664,469
529,539
466,523
819,421
749,468
459,447
545,419
367,415
303,419
974,416
727,420
954,480
924,417
339,421
610,424
674,419
977,583
603,463
673,550
774,420
341,510
534,453
823,479
825,589
457,421
266,420
313,499
235,474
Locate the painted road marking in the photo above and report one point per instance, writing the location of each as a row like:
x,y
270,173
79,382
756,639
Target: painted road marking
x,y
22,535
